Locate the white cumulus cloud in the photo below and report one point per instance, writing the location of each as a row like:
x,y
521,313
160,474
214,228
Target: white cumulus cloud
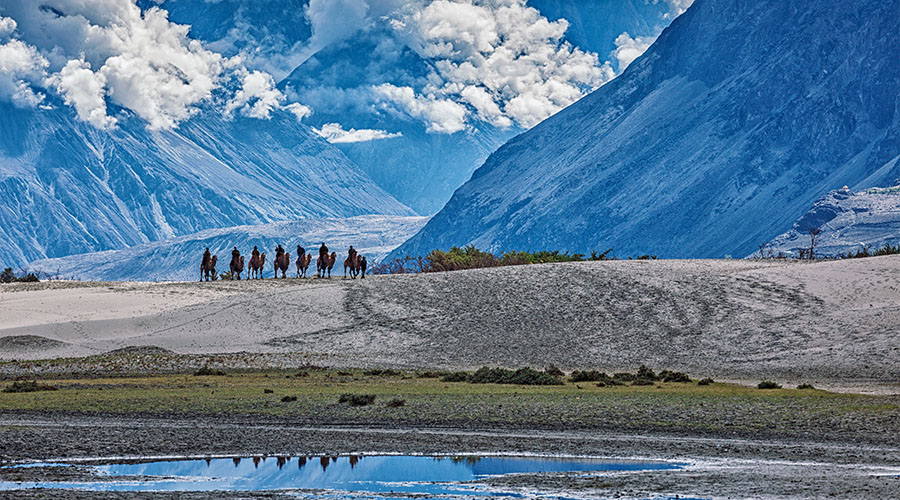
x,y
257,96
20,66
501,57
85,90
335,134
628,49
439,114
101,52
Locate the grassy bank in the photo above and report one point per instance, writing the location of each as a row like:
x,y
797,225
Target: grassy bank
x,y
410,399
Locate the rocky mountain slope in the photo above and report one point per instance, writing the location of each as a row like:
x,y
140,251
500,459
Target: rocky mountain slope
x,y
848,222
70,188
719,137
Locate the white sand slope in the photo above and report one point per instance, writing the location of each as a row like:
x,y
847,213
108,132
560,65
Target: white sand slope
x,y
835,320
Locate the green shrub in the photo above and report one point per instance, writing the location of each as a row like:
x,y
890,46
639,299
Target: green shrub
x,y
29,386
587,376
469,257
396,403
768,384
432,374
522,376
805,386
455,377
705,381
553,371
357,399
8,276
207,371
385,373
644,372
600,256
642,381
670,376
289,399
623,376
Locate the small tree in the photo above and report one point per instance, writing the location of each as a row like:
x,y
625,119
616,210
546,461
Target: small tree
x,y
7,276
813,237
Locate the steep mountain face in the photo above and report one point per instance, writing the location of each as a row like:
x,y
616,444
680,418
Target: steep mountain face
x,y
719,137
847,221
70,188
179,258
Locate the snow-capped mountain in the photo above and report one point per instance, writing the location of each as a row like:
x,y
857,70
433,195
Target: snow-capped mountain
x,y
847,221
178,258
69,188
718,138
333,65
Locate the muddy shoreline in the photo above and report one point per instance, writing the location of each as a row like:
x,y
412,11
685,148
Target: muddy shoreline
x,y
723,466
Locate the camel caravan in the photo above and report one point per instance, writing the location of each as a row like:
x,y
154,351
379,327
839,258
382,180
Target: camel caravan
x,y
354,265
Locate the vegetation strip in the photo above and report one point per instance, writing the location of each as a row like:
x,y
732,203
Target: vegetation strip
x,y
353,397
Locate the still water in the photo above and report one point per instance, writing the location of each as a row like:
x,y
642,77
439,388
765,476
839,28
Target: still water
x,y
442,476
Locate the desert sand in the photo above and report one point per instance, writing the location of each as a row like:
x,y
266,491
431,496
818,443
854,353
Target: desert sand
x,y
833,323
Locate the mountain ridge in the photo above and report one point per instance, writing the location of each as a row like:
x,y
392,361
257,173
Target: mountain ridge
x,y
689,157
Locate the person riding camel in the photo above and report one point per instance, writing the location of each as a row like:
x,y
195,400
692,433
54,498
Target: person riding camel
x,y
255,252
323,251
351,253
235,257
206,257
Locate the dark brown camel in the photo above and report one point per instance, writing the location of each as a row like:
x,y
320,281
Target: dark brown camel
x,y
237,268
303,262
256,266
208,270
282,263
351,263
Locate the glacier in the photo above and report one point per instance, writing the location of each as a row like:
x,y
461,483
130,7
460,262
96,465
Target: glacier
x,y
718,138
178,259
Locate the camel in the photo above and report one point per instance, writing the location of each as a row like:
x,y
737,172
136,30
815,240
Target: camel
x,y
303,262
209,270
237,268
256,266
325,264
351,263
282,263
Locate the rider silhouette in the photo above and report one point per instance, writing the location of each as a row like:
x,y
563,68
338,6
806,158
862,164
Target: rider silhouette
x,y
351,252
206,257
323,250
255,251
279,251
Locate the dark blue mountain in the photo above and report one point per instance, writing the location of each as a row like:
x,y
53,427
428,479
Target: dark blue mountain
x,y
718,138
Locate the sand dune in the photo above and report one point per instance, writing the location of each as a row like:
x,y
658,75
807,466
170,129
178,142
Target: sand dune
x,y
826,321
